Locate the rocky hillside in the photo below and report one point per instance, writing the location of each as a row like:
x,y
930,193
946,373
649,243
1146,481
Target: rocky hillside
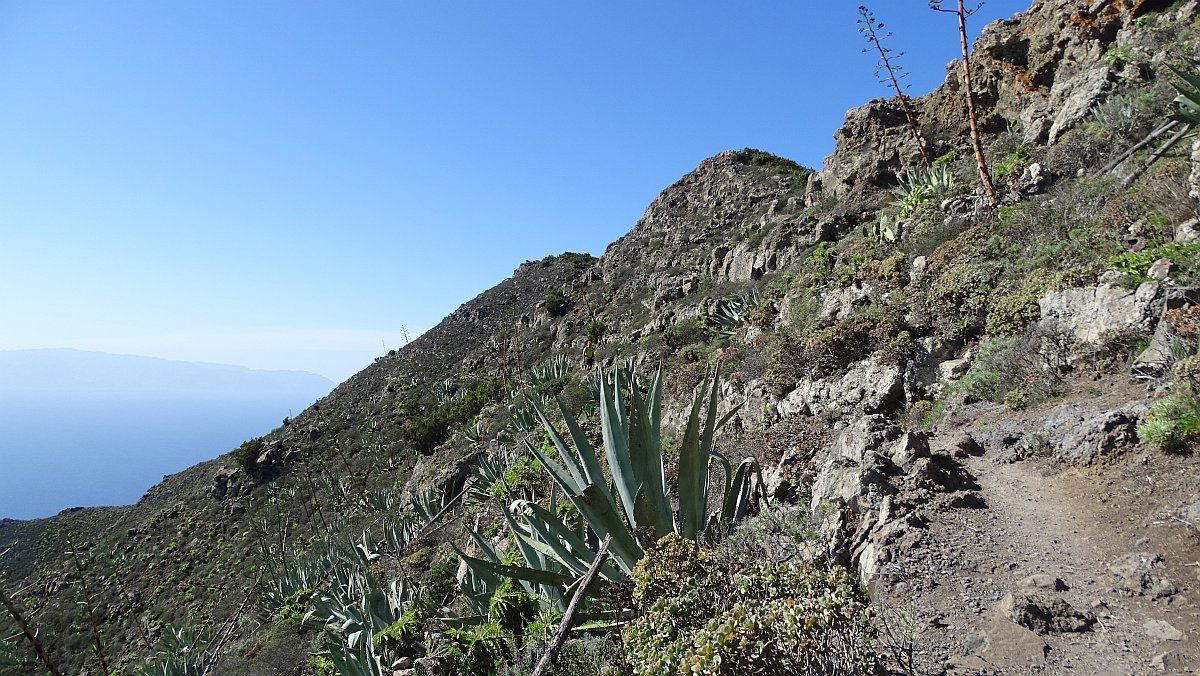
x,y
985,415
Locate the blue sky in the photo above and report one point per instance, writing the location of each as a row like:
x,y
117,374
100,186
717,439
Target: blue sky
x,y
288,184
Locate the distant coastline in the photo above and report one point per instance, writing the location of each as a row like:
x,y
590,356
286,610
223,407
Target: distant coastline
x,y
83,429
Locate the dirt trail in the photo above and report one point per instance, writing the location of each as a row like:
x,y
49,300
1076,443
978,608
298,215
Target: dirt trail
x,y
1070,525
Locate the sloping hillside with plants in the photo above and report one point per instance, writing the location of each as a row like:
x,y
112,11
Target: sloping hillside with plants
x,y
931,408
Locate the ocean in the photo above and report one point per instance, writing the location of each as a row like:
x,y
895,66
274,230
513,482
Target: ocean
x,y
63,448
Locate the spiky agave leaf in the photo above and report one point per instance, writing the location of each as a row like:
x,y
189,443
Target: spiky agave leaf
x,y
1187,103
180,653
13,661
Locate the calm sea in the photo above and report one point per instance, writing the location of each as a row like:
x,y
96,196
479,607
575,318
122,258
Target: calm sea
x,y
83,448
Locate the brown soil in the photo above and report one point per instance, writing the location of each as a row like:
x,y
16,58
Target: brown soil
x,y
1044,517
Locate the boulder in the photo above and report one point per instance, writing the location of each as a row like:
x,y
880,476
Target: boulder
x,y
1088,313
1045,616
868,387
1082,435
1141,574
1161,630
1188,232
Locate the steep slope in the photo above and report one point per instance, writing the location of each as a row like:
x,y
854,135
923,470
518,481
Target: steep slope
x,y
936,409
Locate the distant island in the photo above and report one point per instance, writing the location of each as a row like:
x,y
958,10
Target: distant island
x,y
83,429
79,369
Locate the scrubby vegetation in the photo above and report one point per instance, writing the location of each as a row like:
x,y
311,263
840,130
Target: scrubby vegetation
x,y
512,444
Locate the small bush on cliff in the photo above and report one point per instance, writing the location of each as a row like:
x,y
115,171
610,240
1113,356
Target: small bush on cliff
x,y
706,614
246,455
1014,305
556,303
776,164
961,291
1173,421
827,350
426,428
1136,264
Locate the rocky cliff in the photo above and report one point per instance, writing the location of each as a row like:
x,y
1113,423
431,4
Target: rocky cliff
x,y
986,414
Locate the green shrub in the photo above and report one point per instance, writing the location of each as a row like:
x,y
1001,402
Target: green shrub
x,y
1016,399
246,455
777,165
1117,57
1136,264
556,303
824,351
1173,421
596,330
478,650
402,632
850,340
1013,307
521,480
426,428
578,261
945,160
991,375
321,666
961,290
703,614
1007,369
1013,164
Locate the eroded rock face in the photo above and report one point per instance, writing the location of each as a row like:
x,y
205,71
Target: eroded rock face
x,y
1040,72
1089,312
867,386
876,484
1141,574
1045,615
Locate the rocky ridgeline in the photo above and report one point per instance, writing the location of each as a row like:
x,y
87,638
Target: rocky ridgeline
x,y
1030,534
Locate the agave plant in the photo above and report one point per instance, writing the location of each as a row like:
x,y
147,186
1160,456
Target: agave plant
x,y
292,584
381,500
626,372
1187,104
180,653
474,434
521,418
548,373
731,313
635,510
887,229
446,391
920,185
353,611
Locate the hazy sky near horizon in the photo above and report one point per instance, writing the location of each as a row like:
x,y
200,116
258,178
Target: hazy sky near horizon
x,y
288,184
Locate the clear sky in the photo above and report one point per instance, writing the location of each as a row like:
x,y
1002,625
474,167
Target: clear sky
x,y
286,184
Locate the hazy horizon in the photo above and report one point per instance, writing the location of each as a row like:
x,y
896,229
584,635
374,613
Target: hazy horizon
x,y
85,429
290,186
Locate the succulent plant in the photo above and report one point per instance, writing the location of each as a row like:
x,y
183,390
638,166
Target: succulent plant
x,y
1187,104
920,185
180,653
549,372
635,505
731,313
886,230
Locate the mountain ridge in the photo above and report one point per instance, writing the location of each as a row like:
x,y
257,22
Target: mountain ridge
x,y
880,380
50,368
